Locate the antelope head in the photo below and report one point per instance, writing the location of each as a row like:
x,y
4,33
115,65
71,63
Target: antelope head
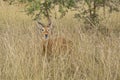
x,y
46,31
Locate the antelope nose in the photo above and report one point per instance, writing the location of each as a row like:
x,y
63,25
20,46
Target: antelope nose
x,y
46,36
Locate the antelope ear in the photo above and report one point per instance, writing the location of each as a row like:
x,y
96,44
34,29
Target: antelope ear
x,y
39,24
50,25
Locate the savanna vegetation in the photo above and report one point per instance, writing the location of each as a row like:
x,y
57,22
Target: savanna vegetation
x,y
92,25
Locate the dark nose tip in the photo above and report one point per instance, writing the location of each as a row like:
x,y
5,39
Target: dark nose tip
x,y
46,36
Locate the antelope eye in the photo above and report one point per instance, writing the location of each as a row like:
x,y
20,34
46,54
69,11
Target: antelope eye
x,y
42,30
48,29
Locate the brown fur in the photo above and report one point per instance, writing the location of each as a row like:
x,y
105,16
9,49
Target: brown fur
x,y
51,45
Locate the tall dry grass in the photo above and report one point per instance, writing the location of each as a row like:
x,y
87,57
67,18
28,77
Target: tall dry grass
x,y
94,56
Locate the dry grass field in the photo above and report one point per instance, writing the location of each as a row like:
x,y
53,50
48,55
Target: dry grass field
x,y
95,56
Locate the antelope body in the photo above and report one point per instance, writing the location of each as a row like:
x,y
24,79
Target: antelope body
x,y
50,44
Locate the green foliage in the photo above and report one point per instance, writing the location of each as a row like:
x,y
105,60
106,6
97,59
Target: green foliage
x,y
90,15
39,8
44,8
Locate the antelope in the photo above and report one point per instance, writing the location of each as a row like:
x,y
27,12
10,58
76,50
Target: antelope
x,y
50,43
